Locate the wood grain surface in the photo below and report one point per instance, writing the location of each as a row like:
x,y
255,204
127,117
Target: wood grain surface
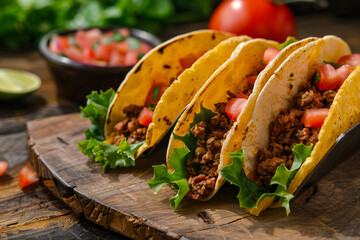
x,y
120,199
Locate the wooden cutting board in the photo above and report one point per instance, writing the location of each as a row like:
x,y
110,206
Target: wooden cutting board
x,y
120,200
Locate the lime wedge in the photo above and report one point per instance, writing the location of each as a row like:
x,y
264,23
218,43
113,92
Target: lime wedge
x,y
15,83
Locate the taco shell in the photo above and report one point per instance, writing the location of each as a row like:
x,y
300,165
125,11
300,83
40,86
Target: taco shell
x,y
162,65
279,93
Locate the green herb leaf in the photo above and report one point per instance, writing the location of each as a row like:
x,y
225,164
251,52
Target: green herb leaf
x,y
204,115
333,64
287,42
108,154
262,63
155,93
96,110
177,178
140,56
134,43
250,193
177,160
117,37
95,46
317,77
189,139
151,106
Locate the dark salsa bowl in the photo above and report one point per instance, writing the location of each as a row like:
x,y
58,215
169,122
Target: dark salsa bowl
x,y
74,79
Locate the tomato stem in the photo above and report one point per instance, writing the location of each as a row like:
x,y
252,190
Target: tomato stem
x,y
319,3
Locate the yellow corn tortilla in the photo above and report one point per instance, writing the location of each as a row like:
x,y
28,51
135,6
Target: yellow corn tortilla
x,y
231,76
279,94
162,65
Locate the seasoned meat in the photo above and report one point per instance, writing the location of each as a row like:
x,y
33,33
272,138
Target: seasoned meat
x,y
129,127
202,168
287,130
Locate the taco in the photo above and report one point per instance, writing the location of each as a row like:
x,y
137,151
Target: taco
x,y
164,79
304,107
194,152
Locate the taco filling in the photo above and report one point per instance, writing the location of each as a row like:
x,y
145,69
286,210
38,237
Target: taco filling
x,y
202,169
300,124
138,118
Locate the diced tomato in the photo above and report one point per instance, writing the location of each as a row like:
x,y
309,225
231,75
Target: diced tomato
x,y
242,95
154,98
103,52
314,117
99,63
331,78
251,79
234,107
144,47
81,40
352,60
3,167
116,59
93,35
88,55
121,47
270,54
27,177
130,58
95,47
74,53
145,116
124,32
58,44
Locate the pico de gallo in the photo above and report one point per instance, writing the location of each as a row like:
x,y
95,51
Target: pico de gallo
x,y
94,47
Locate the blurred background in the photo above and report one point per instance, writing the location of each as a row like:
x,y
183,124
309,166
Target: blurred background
x,y
23,22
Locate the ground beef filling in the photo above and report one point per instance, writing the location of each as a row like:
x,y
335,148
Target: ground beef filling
x,y
288,130
202,169
129,127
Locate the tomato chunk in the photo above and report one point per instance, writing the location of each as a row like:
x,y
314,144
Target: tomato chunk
x,y
234,107
314,117
352,60
270,54
3,167
27,177
155,93
251,79
331,78
145,116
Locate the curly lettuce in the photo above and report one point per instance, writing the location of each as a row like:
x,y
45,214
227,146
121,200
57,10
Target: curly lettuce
x,y
177,160
96,110
250,193
94,146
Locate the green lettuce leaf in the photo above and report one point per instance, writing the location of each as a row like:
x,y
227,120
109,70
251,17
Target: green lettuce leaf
x,y
288,41
96,110
234,173
250,193
189,139
176,180
108,154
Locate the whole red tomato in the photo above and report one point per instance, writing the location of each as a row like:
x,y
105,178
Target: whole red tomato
x,y
255,18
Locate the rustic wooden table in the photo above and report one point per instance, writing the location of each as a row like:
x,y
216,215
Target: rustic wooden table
x,y
34,213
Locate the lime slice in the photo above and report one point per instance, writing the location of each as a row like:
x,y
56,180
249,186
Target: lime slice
x,y
15,83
